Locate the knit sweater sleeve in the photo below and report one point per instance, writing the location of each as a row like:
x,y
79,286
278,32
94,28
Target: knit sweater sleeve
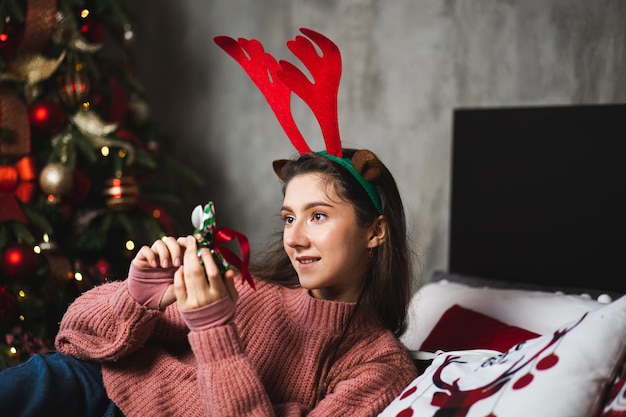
x,y
229,385
243,374
105,324
365,389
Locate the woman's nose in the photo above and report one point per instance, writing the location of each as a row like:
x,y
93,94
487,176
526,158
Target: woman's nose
x,y
295,235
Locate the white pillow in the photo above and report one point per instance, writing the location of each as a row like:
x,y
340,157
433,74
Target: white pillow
x,y
562,374
537,311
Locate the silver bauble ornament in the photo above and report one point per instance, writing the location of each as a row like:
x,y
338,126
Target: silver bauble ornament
x,y
55,179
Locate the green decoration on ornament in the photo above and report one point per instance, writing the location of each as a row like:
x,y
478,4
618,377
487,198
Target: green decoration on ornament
x,y
203,219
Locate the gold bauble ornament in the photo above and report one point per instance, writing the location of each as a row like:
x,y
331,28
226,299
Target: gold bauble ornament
x,y
73,88
55,179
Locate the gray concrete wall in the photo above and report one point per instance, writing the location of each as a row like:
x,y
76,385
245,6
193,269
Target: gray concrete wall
x,y
406,65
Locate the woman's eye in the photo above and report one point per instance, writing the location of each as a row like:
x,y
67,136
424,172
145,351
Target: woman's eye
x,y
319,216
288,219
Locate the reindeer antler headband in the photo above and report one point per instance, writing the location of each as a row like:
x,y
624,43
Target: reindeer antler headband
x,y
277,80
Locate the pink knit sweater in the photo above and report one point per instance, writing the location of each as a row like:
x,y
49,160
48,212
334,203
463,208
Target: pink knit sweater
x,y
262,364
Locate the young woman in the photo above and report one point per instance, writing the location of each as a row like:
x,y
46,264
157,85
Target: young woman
x,y
317,337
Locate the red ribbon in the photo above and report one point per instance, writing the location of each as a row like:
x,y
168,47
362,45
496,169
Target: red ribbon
x,y
226,234
14,118
38,26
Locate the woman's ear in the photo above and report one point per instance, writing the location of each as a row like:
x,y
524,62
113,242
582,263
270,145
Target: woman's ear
x,y
367,164
377,232
278,166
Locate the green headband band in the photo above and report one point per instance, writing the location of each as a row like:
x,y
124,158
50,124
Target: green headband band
x,y
368,187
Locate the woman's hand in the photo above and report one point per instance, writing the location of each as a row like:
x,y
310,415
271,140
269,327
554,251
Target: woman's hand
x,y
150,291
164,253
196,285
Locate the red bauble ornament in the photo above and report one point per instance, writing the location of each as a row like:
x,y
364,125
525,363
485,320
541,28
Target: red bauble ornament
x,y
81,186
93,29
8,305
10,39
19,261
46,117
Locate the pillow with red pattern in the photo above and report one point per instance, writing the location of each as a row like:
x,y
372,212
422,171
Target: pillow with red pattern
x,y
462,328
563,373
615,405
536,311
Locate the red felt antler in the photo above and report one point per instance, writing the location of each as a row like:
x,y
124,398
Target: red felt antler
x,y
262,69
276,81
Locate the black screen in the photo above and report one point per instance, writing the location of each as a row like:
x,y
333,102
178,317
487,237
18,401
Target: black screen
x,y
539,195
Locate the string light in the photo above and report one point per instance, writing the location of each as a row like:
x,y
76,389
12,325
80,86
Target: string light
x,y
4,36
14,257
45,244
105,151
130,245
41,114
78,276
116,188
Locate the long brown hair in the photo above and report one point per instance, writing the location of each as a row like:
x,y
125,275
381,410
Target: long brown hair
x,y
387,286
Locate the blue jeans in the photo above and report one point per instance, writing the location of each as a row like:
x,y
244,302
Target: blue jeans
x,y
55,384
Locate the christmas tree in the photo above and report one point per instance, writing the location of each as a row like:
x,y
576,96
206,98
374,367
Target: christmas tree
x,y
86,177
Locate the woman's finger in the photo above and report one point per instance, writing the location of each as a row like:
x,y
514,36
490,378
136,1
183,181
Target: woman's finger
x,y
216,281
174,250
229,282
182,242
169,297
145,258
194,280
194,272
210,266
179,287
161,250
